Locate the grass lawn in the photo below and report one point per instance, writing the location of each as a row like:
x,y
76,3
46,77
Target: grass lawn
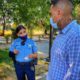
x,y
4,56
6,67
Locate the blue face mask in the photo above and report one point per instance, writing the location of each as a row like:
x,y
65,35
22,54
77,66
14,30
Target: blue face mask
x,y
23,37
53,24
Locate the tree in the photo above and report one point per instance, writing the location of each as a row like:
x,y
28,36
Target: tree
x,y
24,11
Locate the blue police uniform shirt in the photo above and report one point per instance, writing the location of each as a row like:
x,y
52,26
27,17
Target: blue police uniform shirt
x,y
24,50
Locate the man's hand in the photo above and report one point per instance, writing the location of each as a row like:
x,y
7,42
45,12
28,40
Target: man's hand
x,y
16,51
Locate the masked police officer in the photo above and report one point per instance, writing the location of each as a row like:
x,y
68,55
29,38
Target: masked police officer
x,y
23,52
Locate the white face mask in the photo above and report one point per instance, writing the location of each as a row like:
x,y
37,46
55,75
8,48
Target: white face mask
x,y
53,24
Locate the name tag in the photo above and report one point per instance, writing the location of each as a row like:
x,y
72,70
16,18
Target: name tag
x,y
29,45
26,58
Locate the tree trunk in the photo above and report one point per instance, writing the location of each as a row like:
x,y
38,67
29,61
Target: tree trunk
x,y
4,24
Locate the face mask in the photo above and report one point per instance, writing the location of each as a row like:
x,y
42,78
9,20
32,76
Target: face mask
x,y
23,37
53,24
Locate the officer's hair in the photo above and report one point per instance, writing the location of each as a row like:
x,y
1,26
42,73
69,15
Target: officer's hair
x,y
19,28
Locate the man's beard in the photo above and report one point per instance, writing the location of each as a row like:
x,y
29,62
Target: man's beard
x,y
63,23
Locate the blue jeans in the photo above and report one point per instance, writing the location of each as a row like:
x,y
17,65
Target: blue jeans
x,y
23,69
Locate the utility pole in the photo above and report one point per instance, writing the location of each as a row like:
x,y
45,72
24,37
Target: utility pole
x,y
50,44
50,40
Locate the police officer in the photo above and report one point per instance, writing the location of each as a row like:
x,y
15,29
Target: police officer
x,y
23,52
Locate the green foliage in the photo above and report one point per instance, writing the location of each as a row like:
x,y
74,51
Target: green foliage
x,y
77,12
75,2
27,12
4,56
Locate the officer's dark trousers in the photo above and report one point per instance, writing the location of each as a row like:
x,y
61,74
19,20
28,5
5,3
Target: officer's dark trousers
x,y
23,69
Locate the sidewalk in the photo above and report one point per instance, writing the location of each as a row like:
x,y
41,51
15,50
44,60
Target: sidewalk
x,y
42,77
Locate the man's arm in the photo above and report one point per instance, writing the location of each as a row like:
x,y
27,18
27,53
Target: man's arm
x,y
73,51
